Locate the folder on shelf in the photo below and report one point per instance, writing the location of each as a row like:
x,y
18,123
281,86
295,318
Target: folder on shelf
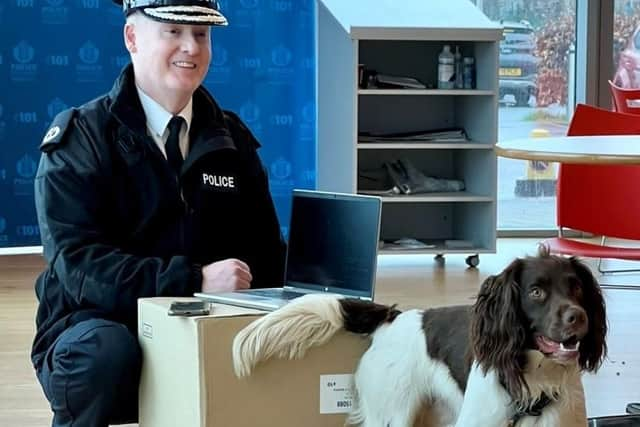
x,y
435,135
406,243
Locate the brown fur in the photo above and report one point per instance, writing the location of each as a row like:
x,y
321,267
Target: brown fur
x,y
363,317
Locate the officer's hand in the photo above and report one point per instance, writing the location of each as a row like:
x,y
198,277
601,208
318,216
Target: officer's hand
x,y
226,275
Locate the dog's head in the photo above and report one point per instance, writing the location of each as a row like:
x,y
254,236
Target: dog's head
x,y
547,303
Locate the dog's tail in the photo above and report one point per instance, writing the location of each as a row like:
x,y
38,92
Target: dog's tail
x,y
304,323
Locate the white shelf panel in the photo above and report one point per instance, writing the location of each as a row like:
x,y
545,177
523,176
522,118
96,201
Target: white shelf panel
x,y
399,145
435,251
426,18
427,92
432,34
458,196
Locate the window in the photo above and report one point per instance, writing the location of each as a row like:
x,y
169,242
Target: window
x,y
536,91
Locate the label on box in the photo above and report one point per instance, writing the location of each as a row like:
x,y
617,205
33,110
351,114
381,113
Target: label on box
x,y
336,393
147,330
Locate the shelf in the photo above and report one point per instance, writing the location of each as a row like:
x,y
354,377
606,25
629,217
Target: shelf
x,y
428,92
458,196
439,249
399,145
397,43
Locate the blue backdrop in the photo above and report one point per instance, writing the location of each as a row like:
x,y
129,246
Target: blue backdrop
x,y
58,53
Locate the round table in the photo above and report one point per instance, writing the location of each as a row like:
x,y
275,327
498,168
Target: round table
x,y
602,149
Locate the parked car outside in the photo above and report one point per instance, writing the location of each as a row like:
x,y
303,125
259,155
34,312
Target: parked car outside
x,y
628,72
518,64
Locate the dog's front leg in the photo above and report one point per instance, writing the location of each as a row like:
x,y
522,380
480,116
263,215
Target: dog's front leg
x,y
486,403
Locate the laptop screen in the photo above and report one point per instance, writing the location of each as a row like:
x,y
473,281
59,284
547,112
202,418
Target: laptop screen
x,y
333,242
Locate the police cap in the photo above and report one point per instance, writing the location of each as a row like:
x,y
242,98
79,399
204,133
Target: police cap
x,y
190,12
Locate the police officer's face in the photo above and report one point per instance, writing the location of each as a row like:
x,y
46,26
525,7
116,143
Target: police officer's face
x,y
169,58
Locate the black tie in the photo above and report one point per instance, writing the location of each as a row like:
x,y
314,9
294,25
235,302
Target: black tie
x,y
174,156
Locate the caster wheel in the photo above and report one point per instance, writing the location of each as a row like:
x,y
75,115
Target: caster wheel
x,y
439,259
473,260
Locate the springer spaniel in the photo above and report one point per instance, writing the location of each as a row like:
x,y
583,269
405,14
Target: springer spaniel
x,y
514,358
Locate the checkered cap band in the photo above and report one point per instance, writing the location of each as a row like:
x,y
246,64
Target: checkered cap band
x,y
186,15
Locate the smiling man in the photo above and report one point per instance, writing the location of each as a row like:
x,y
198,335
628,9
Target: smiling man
x,y
149,190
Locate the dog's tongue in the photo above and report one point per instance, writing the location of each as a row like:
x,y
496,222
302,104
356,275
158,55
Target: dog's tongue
x,y
547,345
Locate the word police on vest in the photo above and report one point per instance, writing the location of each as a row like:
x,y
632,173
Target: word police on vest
x,y
219,181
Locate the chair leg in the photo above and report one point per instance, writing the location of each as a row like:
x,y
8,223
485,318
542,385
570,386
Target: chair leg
x,y
604,272
625,270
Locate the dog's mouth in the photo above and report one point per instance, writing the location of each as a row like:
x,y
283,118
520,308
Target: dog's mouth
x,y
561,350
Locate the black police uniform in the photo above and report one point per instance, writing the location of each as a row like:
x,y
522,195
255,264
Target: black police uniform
x,y
117,225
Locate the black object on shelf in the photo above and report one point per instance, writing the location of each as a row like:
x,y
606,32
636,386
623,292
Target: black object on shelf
x,y
633,408
615,421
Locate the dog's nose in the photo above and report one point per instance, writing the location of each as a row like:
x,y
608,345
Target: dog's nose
x,y
574,316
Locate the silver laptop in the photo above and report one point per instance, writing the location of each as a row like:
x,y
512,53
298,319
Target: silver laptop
x,y
333,248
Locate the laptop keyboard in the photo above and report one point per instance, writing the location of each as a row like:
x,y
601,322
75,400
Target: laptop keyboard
x,y
276,293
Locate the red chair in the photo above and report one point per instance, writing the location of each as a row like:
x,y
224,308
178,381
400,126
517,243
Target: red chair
x,y
625,100
599,199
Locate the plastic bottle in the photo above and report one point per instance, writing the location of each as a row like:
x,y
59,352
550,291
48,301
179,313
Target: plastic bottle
x,y
458,69
469,72
446,68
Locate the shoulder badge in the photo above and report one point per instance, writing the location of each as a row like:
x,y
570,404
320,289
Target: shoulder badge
x,y
57,130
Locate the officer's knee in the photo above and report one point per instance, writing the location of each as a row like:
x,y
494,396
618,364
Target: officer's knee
x,y
118,352
99,356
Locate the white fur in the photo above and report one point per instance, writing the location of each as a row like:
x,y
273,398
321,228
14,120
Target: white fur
x,y
396,376
289,332
487,404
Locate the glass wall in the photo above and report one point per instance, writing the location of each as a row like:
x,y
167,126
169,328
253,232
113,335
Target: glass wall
x,y
537,81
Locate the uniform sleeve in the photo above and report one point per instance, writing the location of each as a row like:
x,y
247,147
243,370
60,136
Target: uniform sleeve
x,y
268,264
71,190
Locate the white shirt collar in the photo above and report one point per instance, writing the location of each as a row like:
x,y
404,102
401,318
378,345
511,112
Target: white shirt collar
x,y
158,118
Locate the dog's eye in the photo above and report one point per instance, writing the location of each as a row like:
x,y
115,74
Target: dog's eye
x,y
537,293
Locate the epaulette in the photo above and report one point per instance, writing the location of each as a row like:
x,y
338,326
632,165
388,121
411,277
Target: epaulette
x,y
56,131
237,121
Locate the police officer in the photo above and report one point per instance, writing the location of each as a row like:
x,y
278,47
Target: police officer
x,y
149,190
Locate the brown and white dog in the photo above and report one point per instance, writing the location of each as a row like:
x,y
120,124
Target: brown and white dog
x,y
513,358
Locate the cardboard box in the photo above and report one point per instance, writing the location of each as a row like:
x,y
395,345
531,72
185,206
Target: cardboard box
x,y
188,380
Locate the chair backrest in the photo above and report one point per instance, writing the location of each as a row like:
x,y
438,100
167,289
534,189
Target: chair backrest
x,y
600,199
625,100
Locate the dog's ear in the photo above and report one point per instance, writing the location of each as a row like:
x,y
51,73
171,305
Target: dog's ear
x,y
593,347
498,329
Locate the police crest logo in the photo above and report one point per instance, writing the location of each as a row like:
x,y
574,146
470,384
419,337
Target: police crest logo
x,y
51,134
